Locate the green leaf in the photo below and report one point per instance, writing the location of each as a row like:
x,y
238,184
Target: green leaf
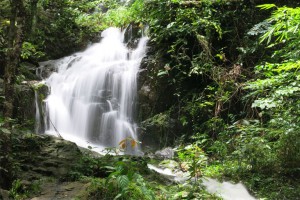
x,y
123,181
4,130
109,167
264,103
170,25
266,6
118,196
161,73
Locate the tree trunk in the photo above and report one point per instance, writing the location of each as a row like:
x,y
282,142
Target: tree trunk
x,y
31,18
15,40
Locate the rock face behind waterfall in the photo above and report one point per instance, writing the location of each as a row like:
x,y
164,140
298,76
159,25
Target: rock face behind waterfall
x,y
155,96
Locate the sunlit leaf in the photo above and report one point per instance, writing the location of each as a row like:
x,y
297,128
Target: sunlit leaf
x,y
266,6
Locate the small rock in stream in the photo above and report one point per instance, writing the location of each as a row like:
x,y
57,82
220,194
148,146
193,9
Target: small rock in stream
x,y
166,153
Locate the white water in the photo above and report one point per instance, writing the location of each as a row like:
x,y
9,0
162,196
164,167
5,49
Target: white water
x,y
93,93
225,190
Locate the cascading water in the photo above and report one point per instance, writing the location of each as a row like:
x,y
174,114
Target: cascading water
x,y
93,93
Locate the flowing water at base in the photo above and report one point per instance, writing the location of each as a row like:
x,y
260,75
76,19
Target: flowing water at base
x,y
93,93
225,190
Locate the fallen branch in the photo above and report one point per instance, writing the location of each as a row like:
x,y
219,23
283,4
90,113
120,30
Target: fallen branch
x,y
59,135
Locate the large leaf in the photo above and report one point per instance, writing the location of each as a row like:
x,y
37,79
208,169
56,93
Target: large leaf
x,y
123,181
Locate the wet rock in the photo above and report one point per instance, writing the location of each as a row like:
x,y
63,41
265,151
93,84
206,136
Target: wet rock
x,y
171,164
25,105
41,92
132,35
46,69
166,153
170,170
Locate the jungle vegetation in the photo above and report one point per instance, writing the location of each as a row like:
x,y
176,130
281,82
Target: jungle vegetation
x,y
230,69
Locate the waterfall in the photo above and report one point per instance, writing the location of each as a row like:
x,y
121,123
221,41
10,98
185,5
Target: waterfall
x,y
93,93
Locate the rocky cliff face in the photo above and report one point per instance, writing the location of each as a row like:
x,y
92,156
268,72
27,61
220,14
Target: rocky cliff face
x,y
158,126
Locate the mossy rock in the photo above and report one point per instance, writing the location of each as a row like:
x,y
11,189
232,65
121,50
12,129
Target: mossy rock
x,y
49,156
158,132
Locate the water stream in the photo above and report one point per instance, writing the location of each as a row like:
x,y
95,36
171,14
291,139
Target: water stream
x,y
93,93
225,190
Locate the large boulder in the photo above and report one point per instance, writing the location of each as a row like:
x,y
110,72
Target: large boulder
x,y
158,132
158,126
155,95
45,156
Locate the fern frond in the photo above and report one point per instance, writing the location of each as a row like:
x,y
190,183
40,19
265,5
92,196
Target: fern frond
x,y
266,6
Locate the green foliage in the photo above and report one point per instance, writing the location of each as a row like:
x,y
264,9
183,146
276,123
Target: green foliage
x,y
122,15
276,89
128,183
265,143
90,165
16,189
66,25
194,160
184,33
188,191
285,27
6,156
29,50
198,45
160,119
20,191
261,141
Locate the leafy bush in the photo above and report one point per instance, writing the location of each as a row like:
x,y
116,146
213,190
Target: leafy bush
x,y
183,31
193,159
276,88
127,183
